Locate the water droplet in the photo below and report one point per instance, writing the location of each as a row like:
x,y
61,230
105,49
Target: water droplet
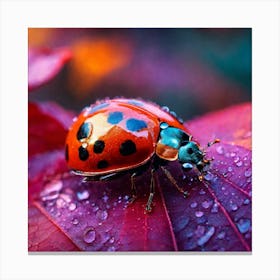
x,y
201,192
112,240
206,204
83,195
239,163
208,176
111,249
232,154
243,225
199,231
60,203
95,208
230,169
205,238
65,197
220,150
246,201
89,235
72,206
199,214
248,173
233,207
193,205
221,235
236,159
214,208
50,196
181,223
102,215
75,221
51,190
105,198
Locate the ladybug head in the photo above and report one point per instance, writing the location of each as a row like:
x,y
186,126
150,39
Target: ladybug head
x,y
191,154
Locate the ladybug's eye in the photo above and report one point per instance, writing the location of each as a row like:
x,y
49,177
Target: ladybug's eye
x,y
190,151
84,131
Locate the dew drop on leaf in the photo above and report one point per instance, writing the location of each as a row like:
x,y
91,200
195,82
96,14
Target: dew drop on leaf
x,y
102,215
208,177
199,214
239,163
89,235
206,204
204,239
111,249
243,225
214,208
60,203
75,221
72,206
83,195
199,231
248,173
221,235
230,169
220,150
236,159
233,207
246,201
193,204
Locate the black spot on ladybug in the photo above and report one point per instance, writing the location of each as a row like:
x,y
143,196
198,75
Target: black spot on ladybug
x,y
83,153
127,148
84,130
115,117
98,146
102,164
135,124
66,153
95,108
135,102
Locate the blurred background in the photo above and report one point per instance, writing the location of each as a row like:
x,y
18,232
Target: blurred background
x,y
190,70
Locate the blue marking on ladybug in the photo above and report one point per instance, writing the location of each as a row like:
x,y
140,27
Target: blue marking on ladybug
x,y
96,108
115,117
135,125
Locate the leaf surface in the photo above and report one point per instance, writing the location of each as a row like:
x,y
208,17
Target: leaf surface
x,y
96,216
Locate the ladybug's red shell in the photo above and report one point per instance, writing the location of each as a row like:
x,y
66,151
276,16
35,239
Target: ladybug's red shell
x,y
115,135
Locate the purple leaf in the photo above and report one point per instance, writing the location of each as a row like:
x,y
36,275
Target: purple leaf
x,y
96,216
44,65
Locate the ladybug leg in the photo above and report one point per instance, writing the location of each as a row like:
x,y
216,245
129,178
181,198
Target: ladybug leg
x,y
133,189
173,181
148,207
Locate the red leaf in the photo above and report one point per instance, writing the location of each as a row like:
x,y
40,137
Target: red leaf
x,y
95,216
47,127
44,65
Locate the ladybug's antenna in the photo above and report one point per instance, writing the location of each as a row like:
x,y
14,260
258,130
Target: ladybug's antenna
x,y
213,142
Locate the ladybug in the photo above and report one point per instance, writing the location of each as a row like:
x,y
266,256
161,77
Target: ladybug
x,y
120,135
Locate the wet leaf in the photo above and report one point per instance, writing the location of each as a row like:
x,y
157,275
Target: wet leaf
x,y
47,127
96,216
44,65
